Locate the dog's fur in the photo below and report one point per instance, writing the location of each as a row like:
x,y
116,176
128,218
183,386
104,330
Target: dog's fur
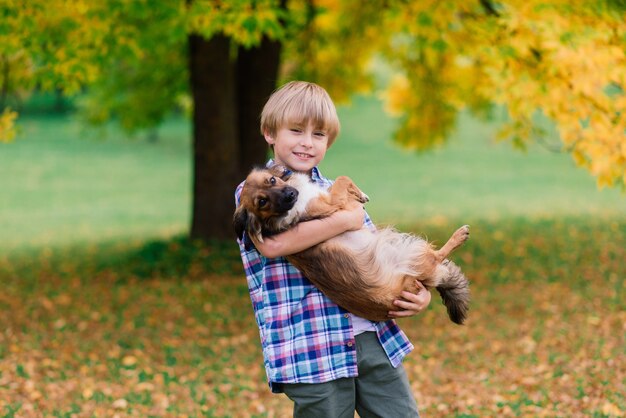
x,y
361,271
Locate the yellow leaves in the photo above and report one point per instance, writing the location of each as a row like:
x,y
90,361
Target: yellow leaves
x,y
129,361
51,45
557,58
7,125
120,404
327,4
579,158
527,344
245,22
601,149
334,45
611,410
87,393
575,78
145,387
326,21
397,95
531,349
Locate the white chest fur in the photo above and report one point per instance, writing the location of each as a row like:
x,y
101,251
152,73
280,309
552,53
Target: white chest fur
x,y
307,190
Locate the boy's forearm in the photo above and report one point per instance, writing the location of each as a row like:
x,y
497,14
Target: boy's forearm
x,y
302,236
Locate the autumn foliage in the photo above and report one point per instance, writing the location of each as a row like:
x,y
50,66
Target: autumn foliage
x,y
167,329
84,339
560,61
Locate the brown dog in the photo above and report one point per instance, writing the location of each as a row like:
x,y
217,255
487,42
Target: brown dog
x,y
361,271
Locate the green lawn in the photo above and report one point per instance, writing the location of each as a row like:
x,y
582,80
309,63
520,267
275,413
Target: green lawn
x,y
62,184
474,177
106,310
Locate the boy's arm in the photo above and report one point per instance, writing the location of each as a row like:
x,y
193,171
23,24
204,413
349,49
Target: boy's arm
x,y
307,234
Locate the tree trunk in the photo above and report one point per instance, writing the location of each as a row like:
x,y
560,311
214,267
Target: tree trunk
x,y
257,74
228,98
215,143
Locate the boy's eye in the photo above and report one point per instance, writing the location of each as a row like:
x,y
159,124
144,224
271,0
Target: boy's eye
x,y
319,133
296,130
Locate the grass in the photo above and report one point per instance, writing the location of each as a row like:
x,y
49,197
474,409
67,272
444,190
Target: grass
x,y
62,185
545,334
107,309
473,177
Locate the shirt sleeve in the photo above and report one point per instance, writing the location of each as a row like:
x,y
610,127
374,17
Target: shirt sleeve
x,y
369,223
238,193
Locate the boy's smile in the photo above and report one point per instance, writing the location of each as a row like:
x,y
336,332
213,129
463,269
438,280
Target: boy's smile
x,y
298,147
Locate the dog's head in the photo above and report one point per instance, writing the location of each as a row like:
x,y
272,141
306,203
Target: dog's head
x,y
264,199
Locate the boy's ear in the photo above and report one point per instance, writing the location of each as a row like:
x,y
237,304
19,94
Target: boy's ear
x,y
268,138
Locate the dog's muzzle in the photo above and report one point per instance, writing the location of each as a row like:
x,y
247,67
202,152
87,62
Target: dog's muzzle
x,y
288,198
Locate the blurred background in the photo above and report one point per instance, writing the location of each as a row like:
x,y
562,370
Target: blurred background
x,y
126,125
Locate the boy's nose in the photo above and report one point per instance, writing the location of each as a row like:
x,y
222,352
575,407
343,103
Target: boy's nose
x,y
306,141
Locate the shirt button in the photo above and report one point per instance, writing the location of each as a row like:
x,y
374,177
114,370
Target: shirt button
x,y
346,315
349,344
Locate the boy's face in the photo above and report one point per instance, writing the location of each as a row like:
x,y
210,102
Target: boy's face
x,y
298,147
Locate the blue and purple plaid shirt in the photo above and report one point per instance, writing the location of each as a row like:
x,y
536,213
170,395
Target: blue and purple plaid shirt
x,y
306,338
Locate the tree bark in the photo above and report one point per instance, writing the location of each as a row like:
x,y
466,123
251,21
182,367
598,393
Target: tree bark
x,y
257,74
215,143
4,90
228,97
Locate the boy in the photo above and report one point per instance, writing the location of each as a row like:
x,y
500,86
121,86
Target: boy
x,y
327,361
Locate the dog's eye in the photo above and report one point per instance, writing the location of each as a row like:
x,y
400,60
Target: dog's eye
x,y
273,181
262,202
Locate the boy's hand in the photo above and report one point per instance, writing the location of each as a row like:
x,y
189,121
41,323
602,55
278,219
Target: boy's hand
x,y
412,303
353,218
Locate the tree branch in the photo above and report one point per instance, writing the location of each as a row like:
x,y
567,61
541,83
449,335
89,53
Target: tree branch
x,y
489,8
4,93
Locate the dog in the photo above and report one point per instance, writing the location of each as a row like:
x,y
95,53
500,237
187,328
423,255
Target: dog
x,y
362,271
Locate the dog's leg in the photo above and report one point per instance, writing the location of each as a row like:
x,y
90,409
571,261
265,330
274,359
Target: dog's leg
x,y
321,207
344,190
456,240
341,195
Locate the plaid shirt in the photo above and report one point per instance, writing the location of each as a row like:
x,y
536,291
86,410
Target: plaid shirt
x,y
306,337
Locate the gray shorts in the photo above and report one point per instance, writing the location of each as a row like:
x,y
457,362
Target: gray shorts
x,y
378,391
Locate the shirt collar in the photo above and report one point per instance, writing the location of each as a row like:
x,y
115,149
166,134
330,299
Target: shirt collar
x,y
316,174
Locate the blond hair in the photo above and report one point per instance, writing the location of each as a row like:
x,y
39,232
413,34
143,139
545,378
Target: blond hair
x,y
301,103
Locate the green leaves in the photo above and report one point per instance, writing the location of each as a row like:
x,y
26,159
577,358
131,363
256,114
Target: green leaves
x,y
244,21
555,57
558,57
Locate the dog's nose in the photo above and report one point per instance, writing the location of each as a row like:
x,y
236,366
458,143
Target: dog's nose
x,y
291,194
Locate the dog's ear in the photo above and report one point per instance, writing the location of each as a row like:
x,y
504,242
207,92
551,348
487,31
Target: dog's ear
x,y
254,228
280,171
240,220
247,227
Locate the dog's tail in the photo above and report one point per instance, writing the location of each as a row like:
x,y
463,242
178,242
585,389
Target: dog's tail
x,y
454,290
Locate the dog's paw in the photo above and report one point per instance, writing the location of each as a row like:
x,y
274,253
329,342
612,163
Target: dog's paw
x,y
463,233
